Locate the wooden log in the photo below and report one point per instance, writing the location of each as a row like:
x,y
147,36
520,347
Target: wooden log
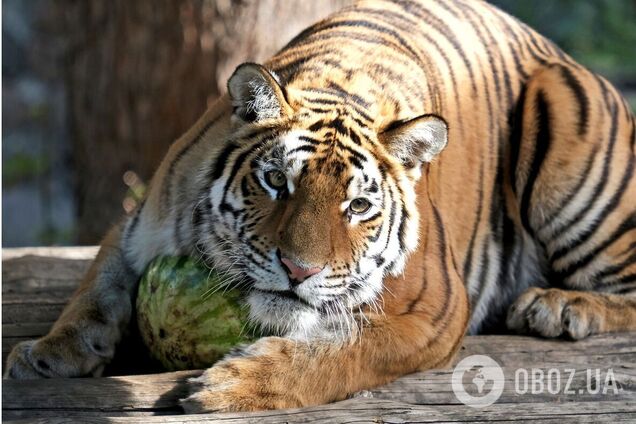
x,y
74,252
126,395
383,411
36,285
25,274
148,391
144,394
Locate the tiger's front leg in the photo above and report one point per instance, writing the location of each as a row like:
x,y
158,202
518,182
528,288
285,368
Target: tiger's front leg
x,y
279,373
83,339
422,325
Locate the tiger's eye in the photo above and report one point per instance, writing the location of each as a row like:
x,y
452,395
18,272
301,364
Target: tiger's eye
x,y
359,205
276,179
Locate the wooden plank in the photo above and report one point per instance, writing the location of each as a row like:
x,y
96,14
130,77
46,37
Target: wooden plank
x,y
36,274
512,350
434,387
125,395
13,313
36,285
146,392
382,411
66,252
598,351
26,329
514,343
141,394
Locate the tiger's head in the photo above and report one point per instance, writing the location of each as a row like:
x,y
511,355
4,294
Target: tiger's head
x,y
311,205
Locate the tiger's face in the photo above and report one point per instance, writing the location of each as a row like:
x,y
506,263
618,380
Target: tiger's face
x,y
311,209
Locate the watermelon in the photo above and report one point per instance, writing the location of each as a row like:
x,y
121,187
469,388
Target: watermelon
x,y
186,317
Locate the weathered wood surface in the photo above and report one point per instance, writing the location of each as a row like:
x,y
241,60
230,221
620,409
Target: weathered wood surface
x,y
143,395
383,411
37,283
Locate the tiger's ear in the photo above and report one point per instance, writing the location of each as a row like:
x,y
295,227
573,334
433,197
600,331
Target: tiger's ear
x,y
415,141
256,94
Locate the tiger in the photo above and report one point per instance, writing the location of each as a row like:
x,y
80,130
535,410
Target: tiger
x,y
399,175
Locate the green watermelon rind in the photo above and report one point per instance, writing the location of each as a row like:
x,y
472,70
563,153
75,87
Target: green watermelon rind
x,y
185,318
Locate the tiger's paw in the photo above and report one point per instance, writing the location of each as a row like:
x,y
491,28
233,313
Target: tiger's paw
x,y
555,313
67,352
257,377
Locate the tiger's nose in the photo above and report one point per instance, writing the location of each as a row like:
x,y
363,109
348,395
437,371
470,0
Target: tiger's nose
x,y
297,274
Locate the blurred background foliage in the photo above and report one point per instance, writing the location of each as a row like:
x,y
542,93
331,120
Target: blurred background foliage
x,y
94,91
600,34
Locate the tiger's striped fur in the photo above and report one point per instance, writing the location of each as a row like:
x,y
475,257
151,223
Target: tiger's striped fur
x,y
500,178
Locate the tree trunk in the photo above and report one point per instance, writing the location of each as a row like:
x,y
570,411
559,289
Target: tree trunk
x,y
139,73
